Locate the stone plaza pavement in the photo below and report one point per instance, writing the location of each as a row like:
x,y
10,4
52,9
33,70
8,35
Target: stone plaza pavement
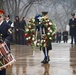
x,y
62,60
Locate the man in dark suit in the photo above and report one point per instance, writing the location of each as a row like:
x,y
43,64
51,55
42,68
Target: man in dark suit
x,y
72,24
6,33
58,36
65,36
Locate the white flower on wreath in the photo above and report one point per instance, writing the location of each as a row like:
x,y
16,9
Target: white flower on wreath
x,y
42,41
33,38
33,35
25,34
32,29
50,38
49,28
27,38
33,20
46,24
44,44
43,17
35,42
38,40
48,33
53,33
29,23
39,22
40,18
29,26
50,23
27,30
33,24
38,44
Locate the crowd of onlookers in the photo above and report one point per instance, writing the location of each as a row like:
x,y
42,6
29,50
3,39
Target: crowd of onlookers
x,y
18,30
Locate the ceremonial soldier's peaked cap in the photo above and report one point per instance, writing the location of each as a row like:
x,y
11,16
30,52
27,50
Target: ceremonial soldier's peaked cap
x,y
73,14
2,12
8,16
44,13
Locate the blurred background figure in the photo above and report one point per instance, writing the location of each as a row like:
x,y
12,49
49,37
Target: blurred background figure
x,y
58,36
22,30
65,36
17,31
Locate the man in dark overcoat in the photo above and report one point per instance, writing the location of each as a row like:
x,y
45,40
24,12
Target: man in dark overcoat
x,y
65,36
58,36
22,30
17,29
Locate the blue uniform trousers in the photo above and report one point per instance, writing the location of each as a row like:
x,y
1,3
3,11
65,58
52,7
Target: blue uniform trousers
x,y
3,72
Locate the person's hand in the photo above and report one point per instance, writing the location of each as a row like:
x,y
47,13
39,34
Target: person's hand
x,y
16,29
6,41
73,25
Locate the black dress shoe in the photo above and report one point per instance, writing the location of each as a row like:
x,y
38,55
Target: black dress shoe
x,y
44,62
48,58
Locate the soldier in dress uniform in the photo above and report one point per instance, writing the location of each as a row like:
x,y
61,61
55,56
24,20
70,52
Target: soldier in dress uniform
x,y
8,20
72,24
49,47
5,32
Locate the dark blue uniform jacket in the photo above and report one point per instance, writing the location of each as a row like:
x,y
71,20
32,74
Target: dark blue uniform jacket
x,y
4,30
